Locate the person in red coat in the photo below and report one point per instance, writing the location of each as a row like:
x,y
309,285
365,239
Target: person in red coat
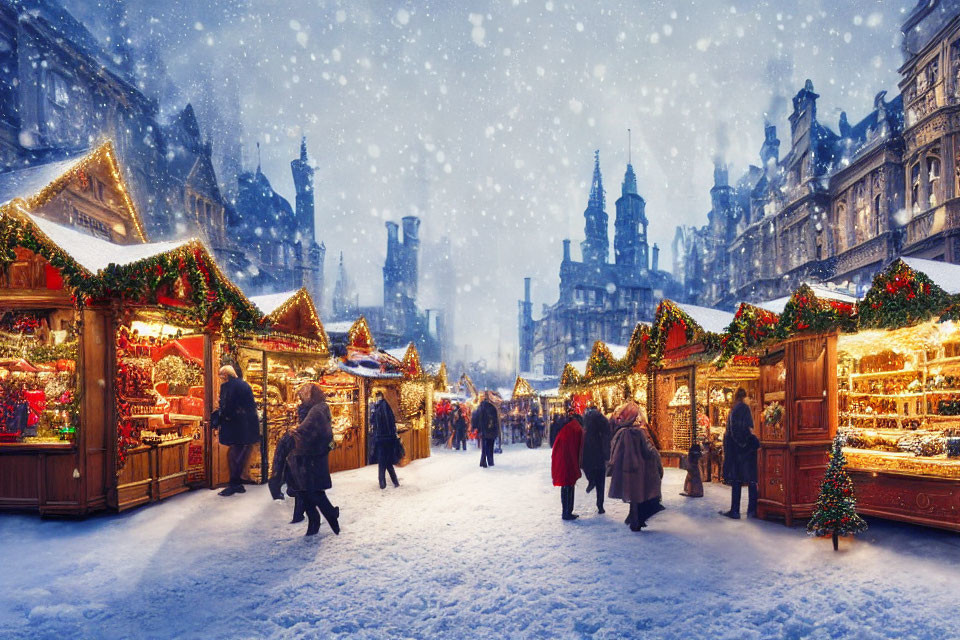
x,y
566,463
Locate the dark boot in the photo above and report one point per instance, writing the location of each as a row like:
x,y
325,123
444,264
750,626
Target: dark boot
x,y
563,503
600,487
297,510
635,523
569,514
313,520
752,500
232,489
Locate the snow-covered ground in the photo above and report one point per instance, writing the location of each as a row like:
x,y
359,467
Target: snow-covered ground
x,y
458,552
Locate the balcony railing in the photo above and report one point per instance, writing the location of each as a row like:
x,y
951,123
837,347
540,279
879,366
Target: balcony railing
x,y
930,223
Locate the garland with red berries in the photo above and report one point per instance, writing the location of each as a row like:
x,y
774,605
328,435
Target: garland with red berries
x,y
670,315
901,297
750,328
806,313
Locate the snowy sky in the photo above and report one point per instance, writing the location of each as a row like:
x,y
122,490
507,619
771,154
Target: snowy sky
x,y
488,113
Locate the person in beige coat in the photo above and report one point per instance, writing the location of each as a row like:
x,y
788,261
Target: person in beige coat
x,y
635,469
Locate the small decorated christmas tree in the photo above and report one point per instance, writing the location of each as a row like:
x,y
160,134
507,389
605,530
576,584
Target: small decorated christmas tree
x,y
836,510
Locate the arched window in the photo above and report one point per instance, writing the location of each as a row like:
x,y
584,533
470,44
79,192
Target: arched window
x,y
915,187
933,179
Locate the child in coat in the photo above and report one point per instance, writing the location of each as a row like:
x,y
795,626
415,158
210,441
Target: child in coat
x,y
693,484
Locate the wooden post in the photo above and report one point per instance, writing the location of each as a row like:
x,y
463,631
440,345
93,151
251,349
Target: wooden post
x,y
264,430
209,388
693,405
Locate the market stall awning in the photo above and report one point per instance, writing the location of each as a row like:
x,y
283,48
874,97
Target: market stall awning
x,y
293,313
823,293
684,330
31,188
943,274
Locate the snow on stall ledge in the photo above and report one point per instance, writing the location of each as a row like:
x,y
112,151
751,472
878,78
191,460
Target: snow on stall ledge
x,y
462,552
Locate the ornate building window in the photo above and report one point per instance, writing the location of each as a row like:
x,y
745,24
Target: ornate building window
x,y
933,179
915,187
845,223
955,68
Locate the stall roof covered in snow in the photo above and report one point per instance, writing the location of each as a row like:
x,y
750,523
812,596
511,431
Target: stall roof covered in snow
x,y
95,254
824,293
944,275
712,320
28,181
341,327
618,351
271,302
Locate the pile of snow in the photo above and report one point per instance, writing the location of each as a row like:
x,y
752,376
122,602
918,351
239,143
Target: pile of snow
x,y
462,552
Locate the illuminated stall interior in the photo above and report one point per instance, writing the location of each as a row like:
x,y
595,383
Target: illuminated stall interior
x,y
692,396
611,375
171,301
276,364
900,387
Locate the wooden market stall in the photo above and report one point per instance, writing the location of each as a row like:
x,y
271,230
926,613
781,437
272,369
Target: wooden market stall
x,y
515,412
899,395
362,372
691,396
106,337
611,375
795,396
171,306
55,444
295,350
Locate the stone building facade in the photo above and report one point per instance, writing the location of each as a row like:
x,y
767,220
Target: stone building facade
x,y
62,93
599,299
842,203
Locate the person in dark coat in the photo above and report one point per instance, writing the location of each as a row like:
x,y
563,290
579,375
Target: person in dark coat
x,y
535,435
308,462
280,471
555,427
488,430
460,430
384,440
596,452
239,425
280,475
565,464
740,447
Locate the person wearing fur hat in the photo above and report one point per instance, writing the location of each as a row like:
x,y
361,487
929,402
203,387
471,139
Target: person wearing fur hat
x,y
635,469
565,464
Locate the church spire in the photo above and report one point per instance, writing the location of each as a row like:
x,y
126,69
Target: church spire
x,y
303,148
596,189
596,244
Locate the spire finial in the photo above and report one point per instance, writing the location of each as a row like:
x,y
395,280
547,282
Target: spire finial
x,y
303,148
629,147
258,156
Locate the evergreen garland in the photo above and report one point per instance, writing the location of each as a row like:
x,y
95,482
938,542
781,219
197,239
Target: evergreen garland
x,y
805,312
750,328
900,297
836,510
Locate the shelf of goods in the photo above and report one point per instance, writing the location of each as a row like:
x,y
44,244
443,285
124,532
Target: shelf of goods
x,y
899,412
40,410
160,407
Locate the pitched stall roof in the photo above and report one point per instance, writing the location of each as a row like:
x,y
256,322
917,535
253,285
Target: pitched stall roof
x,y
32,187
944,274
293,313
